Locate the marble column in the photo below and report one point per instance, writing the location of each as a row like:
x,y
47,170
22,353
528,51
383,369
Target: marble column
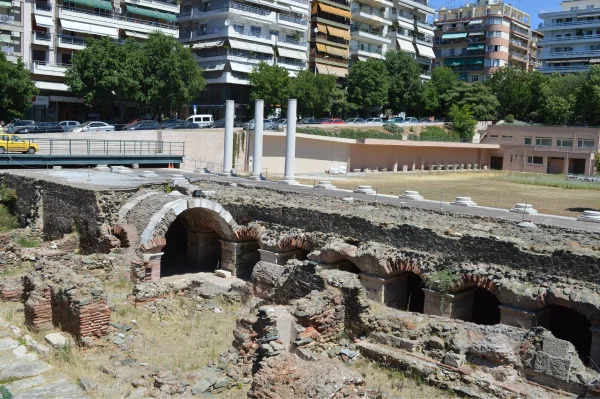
x,y
290,144
228,156
259,110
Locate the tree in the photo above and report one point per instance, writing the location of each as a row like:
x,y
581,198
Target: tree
x,y
16,89
172,77
405,85
314,93
104,72
517,90
477,96
462,121
588,98
270,83
368,83
443,80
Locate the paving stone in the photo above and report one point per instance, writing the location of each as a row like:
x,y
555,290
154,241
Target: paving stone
x,y
56,340
59,389
22,368
8,344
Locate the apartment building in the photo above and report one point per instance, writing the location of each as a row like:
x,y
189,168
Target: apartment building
x,y
476,39
229,38
535,50
411,32
369,29
330,37
47,34
571,37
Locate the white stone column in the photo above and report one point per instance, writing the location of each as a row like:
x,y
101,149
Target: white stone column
x,y
290,144
228,156
259,111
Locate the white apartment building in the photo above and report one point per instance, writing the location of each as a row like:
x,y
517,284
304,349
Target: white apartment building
x,y
229,38
571,40
47,34
369,29
411,32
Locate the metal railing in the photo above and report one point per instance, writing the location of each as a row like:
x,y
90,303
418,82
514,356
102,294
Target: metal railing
x,y
93,147
568,38
572,68
550,54
292,62
43,36
293,19
292,41
232,5
572,23
74,40
375,50
43,6
109,15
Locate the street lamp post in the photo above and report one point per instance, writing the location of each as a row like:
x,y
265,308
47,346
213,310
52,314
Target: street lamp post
x,y
316,30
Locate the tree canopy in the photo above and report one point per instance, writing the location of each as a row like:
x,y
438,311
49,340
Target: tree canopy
x,y
16,89
588,97
368,83
270,83
159,72
315,93
463,122
405,84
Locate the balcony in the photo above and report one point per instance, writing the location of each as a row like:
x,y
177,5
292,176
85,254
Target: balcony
x,y
230,77
323,59
157,4
292,64
546,54
366,15
367,51
8,22
570,39
42,8
518,56
243,10
298,44
116,21
291,21
223,54
550,13
572,24
519,44
377,3
41,38
71,42
565,69
46,68
420,4
369,36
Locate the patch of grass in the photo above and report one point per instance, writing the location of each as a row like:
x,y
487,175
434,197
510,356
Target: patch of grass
x,y
350,133
5,393
8,221
558,181
27,242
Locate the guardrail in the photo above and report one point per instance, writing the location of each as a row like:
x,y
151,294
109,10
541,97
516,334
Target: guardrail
x,y
93,147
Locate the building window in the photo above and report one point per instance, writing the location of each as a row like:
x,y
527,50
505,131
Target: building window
x,y
494,136
543,141
494,21
568,143
590,7
506,137
255,31
527,140
274,33
206,6
574,8
535,160
491,62
585,143
474,78
452,52
238,28
494,47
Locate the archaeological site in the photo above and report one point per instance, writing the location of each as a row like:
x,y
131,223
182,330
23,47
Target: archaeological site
x,y
195,285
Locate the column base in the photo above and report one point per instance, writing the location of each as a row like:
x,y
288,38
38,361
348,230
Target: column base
x,y
253,177
292,182
225,174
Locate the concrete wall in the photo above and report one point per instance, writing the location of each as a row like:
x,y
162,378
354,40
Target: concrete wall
x,y
204,145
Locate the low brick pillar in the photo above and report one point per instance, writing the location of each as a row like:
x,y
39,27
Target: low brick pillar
x,y
146,268
11,289
94,319
239,257
457,306
38,310
390,291
522,318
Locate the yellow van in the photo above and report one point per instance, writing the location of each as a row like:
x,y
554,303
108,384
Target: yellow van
x,y
14,143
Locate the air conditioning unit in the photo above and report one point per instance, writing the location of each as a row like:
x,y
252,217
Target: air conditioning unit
x,y
15,34
118,10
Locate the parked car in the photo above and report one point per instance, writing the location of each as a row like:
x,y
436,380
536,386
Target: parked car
x,y
69,125
355,120
43,127
145,125
267,125
373,120
333,121
14,143
16,126
410,119
309,121
220,124
183,125
168,124
396,120
424,120
323,120
204,121
94,126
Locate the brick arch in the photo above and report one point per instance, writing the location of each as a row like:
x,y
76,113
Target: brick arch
x,y
126,233
208,213
400,265
473,281
294,241
244,233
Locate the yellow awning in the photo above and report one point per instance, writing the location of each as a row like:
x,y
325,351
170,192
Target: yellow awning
x,y
339,72
322,28
337,51
322,69
335,11
314,8
344,34
322,48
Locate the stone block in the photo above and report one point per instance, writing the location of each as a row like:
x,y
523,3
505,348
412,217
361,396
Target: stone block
x,y
463,201
326,185
57,340
223,273
405,168
365,190
526,209
280,258
412,195
590,216
517,317
56,167
545,363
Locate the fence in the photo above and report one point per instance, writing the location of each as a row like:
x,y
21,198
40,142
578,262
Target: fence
x,y
93,147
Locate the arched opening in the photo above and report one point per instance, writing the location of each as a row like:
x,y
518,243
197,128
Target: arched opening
x,y
415,296
477,305
193,243
569,325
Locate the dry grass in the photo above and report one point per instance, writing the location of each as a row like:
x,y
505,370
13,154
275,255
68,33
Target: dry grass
x,y
399,384
485,188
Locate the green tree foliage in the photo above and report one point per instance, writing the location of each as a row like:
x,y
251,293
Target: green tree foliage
x,y
435,91
436,133
597,161
104,72
172,77
368,83
588,98
483,104
16,89
160,73
405,84
463,122
517,90
314,93
272,84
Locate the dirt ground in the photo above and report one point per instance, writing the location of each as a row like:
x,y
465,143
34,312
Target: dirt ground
x,y
482,187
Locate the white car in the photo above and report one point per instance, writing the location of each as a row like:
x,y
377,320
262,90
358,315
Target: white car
x,y
94,127
373,120
68,126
